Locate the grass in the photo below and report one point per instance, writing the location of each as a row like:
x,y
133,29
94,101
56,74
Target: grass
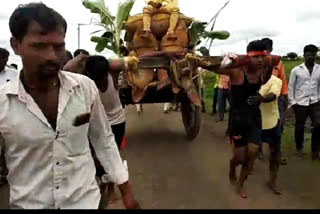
x,y
288,145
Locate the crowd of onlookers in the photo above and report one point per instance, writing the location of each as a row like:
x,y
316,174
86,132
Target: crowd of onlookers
x,y
301,94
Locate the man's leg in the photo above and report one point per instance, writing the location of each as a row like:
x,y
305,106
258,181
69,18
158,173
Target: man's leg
x,y
253,149
174,18
166,107
163,79
139,108
301,113
146,18
239,157
281,106
221,104
214,101
3,170
274,163
260,152
315,141
203,107
273,137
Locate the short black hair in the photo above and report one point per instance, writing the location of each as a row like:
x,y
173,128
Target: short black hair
x,y
96,66
48,19
4,53
79,51
69,55
310,48
268,42
256,45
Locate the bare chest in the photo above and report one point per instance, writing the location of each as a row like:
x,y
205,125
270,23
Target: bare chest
x,y
48,104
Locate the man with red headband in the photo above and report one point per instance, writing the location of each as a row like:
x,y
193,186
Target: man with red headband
x,y
245,117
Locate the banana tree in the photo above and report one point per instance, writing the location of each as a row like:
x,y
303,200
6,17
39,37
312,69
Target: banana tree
x,y
113,25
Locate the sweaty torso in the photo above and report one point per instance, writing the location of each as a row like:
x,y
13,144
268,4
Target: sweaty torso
x,y
243,85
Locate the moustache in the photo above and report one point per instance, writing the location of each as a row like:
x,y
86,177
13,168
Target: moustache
x,y
50,64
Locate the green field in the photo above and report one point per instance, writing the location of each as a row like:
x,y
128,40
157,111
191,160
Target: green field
x,y
288,145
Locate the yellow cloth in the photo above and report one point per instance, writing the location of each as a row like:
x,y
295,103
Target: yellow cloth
x,y
270,111
171,3
216,84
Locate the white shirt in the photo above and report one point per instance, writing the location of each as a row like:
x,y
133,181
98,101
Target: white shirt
x,y
112,104
6,75
55,169
270,110
303,88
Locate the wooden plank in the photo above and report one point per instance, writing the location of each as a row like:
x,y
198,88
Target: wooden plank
x,y
154,62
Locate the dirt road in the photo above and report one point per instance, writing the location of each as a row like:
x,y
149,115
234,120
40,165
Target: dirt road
x,y
167,171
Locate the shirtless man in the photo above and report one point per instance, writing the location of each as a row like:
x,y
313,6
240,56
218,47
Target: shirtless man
x,y
98,70
245,117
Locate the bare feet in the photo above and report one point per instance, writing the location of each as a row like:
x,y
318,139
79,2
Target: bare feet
x,y
274,188
113,198
283,161
242,192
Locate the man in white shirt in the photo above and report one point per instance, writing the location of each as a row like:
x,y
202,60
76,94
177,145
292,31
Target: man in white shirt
x,y
304,97
46,118
5,75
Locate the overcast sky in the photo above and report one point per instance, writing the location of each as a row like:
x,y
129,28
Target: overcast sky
x,y
291,24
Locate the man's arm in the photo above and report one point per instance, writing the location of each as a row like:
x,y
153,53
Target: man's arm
x,y
275,91
121,64
223,71
291,87
77,64
105,147
284,88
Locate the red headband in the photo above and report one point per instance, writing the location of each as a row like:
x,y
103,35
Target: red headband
x,y
258,53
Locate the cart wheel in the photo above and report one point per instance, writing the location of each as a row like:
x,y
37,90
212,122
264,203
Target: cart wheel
x,y
191,118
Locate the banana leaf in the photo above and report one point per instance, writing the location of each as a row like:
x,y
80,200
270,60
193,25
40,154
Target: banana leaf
x,y
195,30
222,35
112,24
100,8
123,13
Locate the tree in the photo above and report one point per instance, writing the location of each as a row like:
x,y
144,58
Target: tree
x,y
292,55
113,25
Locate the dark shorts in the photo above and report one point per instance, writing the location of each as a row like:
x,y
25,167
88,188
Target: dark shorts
x,y
272,136
245,127
118,131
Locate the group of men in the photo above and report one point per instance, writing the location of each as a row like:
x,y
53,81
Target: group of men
x,y
76,123
259,99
